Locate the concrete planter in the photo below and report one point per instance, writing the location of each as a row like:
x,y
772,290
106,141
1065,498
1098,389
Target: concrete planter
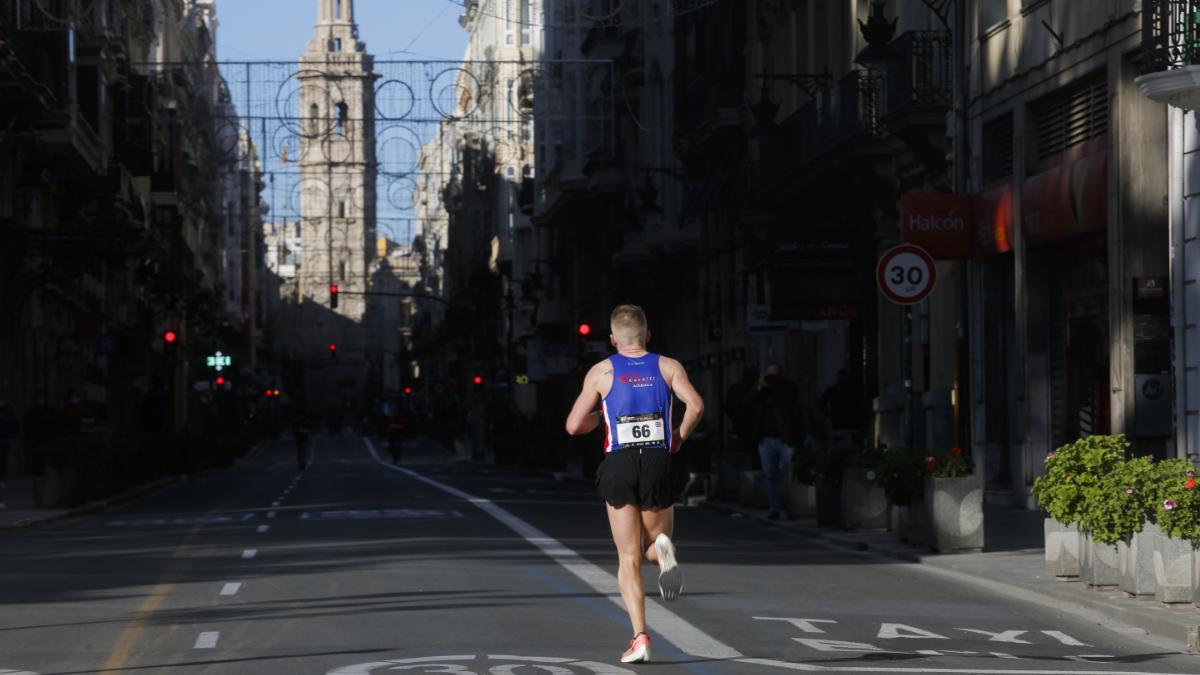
x,y
829,503
901,522
1196,578
752,490
918,523
864,504
1100,564
800,499
954,512
1173,559
1136,562
1063,544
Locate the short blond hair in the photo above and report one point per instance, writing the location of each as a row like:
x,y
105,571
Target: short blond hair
x,y
629,324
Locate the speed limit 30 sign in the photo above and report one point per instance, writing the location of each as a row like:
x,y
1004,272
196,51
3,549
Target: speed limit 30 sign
x,y
906,274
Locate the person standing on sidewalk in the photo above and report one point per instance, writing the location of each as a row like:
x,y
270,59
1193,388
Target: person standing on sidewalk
x,y
776,414
634,388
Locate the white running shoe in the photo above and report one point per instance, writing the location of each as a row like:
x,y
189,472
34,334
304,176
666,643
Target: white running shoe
x,y
670,578
639,650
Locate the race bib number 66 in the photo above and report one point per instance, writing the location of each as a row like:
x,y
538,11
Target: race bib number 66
x,y
640,430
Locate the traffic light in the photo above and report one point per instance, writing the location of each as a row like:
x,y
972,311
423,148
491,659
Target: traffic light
x,y
333,350
220,380
584,329
170,338
267,393
408,391
333,296
478,379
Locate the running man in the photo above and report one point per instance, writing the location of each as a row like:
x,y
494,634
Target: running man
x,y
634,388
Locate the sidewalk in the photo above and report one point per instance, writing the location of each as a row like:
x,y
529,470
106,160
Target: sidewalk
x,y
1013,563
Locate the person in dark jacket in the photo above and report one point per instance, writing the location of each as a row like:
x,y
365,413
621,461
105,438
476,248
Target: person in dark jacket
x,y
774,406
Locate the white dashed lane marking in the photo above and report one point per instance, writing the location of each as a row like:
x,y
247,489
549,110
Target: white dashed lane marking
x,y
231,588
271,514
249,553
263,528
207,640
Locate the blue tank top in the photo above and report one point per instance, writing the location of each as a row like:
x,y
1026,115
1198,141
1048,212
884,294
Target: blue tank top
x,y
637,410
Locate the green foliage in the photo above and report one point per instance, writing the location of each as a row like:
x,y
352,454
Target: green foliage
x,y
1172,499
1117,508
1075,477
901,472
828,465
951,464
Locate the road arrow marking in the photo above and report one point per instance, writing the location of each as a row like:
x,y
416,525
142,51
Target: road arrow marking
x,y
207,640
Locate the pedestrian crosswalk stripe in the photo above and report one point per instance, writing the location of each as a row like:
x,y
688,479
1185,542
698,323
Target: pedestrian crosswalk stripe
x,y
207,640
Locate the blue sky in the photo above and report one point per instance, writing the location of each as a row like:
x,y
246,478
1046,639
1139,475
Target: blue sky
x,y
393,29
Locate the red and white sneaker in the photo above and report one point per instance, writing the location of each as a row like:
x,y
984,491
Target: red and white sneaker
x,y
639,649
670,578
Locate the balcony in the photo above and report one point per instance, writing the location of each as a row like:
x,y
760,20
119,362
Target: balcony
x,y
1171,52
921,82
847,113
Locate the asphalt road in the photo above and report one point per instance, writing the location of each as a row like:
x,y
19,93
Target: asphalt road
x,y
354,566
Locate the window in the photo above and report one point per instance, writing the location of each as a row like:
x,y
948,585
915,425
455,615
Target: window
x,y
510,19
314,115
526,21
337,45
341,208
337,9
343,111
998,149
1071,116
342,270
991,12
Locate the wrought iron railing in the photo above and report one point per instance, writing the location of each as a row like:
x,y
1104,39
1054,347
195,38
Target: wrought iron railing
x,y
1170,34
922,76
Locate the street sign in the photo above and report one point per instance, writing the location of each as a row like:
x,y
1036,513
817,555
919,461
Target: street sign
x,y
219,361
906,274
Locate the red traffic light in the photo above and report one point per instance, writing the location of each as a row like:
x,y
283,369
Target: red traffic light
x,y
332,347
407,391
333,288
220,381
477,379
170,337
267,392
584,329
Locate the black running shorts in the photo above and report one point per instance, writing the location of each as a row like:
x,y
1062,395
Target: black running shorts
x,y
638,476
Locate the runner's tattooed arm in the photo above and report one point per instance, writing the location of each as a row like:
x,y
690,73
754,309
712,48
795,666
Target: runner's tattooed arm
x,y
584,417
676,377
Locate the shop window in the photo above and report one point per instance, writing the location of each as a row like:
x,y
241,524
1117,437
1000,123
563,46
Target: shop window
x,y
991,12
998,149
1070,117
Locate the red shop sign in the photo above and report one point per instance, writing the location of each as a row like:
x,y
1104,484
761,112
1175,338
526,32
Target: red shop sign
x,y
941,224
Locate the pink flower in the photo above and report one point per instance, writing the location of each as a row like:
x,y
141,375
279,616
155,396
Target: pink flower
x,y
1168,505
1128,490
1049,454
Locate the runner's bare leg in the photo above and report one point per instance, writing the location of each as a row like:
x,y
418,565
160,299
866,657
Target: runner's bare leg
x,y
655,522
626,525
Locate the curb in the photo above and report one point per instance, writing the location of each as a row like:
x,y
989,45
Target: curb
x,y
1154,619
101,505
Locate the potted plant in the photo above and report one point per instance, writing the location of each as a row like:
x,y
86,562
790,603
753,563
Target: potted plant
x,y
864,504
829,464
801,492
1060,493
902,475
1127,507
1074,483
1175,505
953,500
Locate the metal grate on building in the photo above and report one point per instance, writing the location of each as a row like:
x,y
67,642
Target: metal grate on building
x,y
1072,116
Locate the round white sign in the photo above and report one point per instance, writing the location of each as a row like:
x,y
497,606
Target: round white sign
x,y
906,274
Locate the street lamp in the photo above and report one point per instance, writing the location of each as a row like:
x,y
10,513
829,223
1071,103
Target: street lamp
x,y
878,32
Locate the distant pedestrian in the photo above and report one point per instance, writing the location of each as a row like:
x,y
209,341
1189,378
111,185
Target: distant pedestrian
x,y
9,430
634,388
776,415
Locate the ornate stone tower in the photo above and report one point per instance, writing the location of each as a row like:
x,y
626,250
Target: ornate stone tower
x,y
337,160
